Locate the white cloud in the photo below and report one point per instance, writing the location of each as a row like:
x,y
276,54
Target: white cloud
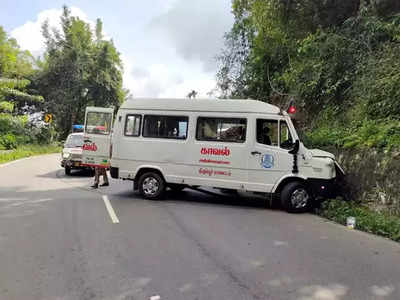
x,y
29,35
195,29
175,79
170,64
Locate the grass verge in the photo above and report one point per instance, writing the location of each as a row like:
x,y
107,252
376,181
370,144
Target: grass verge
x,y
28,150
366,220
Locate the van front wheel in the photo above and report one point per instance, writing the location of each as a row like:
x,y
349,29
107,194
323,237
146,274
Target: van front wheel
x,y
296,198
151,185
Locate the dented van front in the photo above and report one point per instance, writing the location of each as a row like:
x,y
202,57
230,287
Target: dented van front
x,y
322,170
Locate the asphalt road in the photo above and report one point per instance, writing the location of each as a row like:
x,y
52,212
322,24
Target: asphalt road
x,y
58,241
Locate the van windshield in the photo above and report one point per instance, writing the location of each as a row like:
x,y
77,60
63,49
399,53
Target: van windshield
x,y
74,141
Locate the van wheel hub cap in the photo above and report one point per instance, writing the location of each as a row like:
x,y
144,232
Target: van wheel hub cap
x,y
150,186
299,198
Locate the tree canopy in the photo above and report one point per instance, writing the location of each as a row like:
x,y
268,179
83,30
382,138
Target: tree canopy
x,y
16,66
81,68
337,58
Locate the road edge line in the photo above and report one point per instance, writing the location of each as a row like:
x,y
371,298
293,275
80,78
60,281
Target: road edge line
x,y
24,158
14,161
110,209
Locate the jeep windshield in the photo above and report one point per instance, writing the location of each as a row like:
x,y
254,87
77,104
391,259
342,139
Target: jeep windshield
x,y
74,141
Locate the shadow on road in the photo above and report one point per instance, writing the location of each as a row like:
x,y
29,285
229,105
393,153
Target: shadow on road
x,y
200,196
122,192
210,196
60,173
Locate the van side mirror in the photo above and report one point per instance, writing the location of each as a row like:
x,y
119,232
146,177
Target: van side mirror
x,y
295,148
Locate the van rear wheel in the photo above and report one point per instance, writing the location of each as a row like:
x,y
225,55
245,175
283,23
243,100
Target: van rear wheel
x,y
151,185
296,198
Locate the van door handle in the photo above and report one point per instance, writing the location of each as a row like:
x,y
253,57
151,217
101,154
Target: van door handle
x,y
255,153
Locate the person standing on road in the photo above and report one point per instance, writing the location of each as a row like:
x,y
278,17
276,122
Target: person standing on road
x,y
97,173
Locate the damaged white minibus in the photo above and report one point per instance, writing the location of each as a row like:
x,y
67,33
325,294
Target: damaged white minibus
x,y
242,145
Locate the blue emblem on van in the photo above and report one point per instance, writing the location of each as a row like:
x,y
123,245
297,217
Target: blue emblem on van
x,y
267,161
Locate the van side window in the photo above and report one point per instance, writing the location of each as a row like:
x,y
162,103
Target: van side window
x,y
169,127
221,129
132,125
286,137
267,132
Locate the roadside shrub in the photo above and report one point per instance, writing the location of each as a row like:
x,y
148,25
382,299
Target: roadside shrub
x,y
325,136
378,134
6,106
13,124
366,220
25,132
29,150
378,84
8,141
43,135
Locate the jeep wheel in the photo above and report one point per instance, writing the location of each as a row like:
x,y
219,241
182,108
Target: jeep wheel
x,y
67,170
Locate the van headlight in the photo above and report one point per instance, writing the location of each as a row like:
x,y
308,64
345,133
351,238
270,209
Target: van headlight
x,y
66,155
332,168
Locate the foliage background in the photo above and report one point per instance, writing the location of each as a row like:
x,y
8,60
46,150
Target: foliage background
x,y
339,60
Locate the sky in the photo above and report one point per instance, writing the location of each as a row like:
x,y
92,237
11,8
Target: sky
x,y
168,47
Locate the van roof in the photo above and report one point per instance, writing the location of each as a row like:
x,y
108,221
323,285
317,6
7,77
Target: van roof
x,y
209,105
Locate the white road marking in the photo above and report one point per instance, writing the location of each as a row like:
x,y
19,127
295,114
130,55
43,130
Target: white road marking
x,y
382,291
280,243
12,199
187,287
110,209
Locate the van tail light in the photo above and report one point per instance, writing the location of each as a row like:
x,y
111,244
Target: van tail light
x,y
292,109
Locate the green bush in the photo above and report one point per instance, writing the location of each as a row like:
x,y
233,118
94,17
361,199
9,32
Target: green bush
x,y
366,220
377,86
43,135
24,132
29,150
13,124
379,134
8,141
6,106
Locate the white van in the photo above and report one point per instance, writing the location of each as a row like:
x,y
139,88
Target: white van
x,y
242,145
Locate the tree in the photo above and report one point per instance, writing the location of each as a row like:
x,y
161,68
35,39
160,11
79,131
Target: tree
x,y
307,49
15,67
79,70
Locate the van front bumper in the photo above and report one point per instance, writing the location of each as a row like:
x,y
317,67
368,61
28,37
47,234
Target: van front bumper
x,y
323,188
